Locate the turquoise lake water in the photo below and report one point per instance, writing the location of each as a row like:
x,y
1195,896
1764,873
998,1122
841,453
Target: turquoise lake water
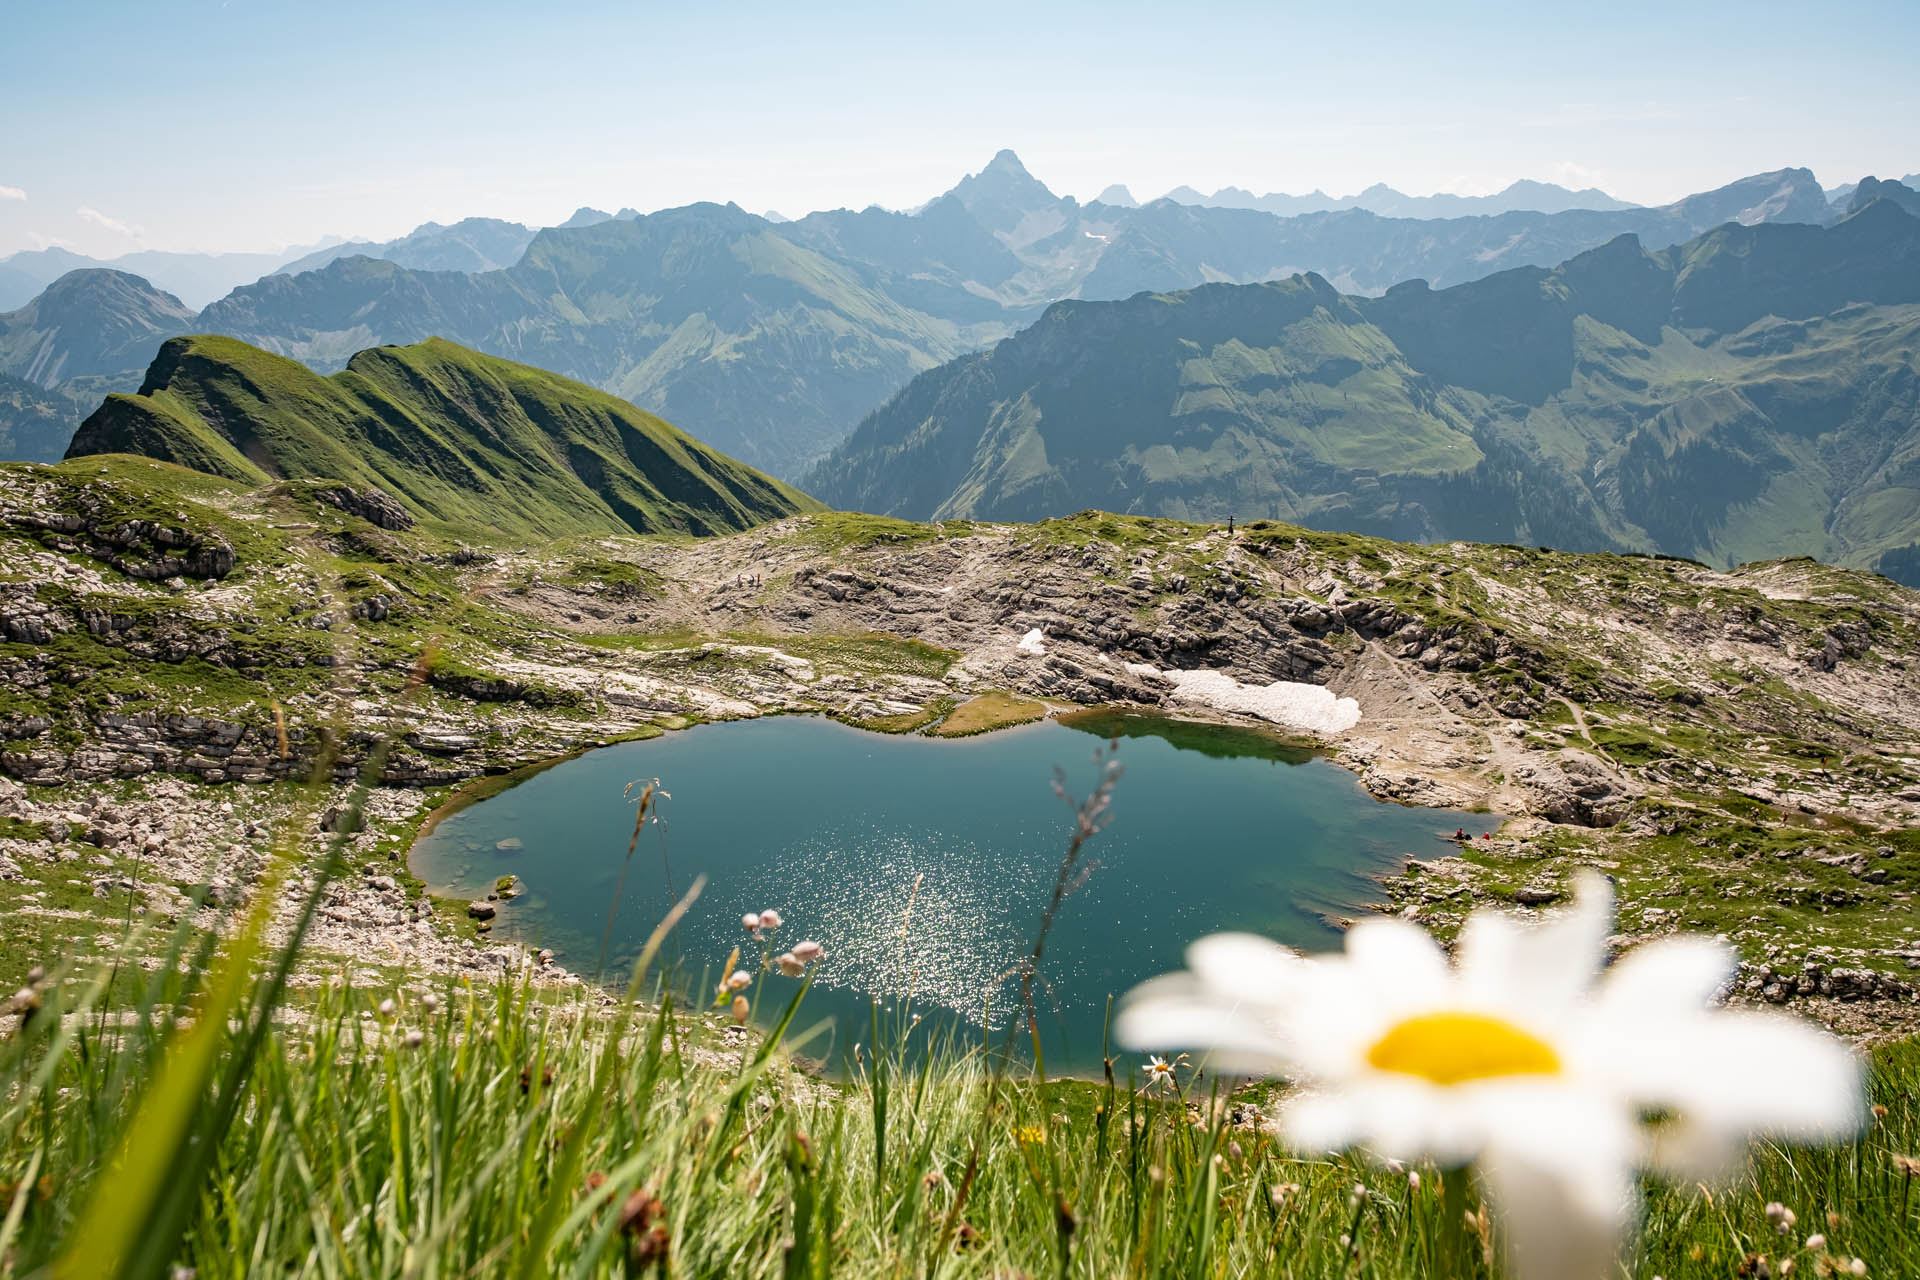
x,y
834,827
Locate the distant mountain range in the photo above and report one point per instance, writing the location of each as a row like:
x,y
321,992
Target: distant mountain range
x,y
451,439
1525,195
472,244
195,278
771,340
1753,392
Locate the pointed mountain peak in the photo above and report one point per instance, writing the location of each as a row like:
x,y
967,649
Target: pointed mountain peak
x,y
587,216
1003,193
1118,196
1004,161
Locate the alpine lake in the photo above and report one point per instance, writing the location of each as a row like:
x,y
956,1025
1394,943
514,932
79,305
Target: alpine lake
x,y
924,865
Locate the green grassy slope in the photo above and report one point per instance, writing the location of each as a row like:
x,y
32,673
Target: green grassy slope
x,y
468,443
1753,393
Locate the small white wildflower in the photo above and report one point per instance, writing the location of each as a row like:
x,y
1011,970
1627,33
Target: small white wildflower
x,y
430,1002
415,1038
1858,1267
750,922
1413,1180
1816,1242
770,920
807,952
790,964
386,1008
740,980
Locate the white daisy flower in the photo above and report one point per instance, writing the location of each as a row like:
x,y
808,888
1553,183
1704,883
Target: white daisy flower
x,y
1160,1073
1556,1081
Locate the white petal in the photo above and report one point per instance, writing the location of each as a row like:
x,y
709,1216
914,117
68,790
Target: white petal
x,y
1336,1015
1245,966
1400,961
1320,1123
1731,1077
1537,971
1559,1175
1679,975
1174,1013
1392,1117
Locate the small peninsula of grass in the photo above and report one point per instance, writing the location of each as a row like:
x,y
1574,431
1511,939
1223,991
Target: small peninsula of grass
x,y
988,712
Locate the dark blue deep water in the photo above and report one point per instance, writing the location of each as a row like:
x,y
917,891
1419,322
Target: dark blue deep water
x,y
833,826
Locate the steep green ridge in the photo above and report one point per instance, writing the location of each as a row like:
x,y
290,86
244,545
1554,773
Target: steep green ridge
x,y
1752,393
468,443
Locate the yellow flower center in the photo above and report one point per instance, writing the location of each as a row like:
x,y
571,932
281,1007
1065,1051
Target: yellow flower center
x,y
1452,1048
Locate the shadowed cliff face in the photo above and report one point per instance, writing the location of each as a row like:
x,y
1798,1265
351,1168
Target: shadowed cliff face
x,y
1751,393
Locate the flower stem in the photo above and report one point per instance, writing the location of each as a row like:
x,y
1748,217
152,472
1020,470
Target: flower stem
x,y
1453,1224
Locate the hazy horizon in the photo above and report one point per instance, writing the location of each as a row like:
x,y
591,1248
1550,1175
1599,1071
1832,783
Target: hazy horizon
x,y
262,129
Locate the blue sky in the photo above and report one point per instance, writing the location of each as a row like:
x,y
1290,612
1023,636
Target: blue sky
x,y
251,124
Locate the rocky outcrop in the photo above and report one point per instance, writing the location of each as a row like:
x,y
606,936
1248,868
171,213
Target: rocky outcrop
x,y
1574,787
371,504
142,549
1820,975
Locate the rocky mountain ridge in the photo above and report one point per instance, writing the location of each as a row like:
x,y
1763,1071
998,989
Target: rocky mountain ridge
x,y
1682,400
771,340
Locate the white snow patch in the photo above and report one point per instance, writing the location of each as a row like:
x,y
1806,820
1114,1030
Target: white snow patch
x,y
1032,642
1298,706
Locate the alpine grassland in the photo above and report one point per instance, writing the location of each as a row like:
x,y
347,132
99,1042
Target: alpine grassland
x,y
199,1115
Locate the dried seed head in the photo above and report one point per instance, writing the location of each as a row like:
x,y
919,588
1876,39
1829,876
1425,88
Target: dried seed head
x,y
415,1038
740,980
740,1010
430,1002
1907,1165
386,1008
640,1212
651,1249
790,965
1816,1242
